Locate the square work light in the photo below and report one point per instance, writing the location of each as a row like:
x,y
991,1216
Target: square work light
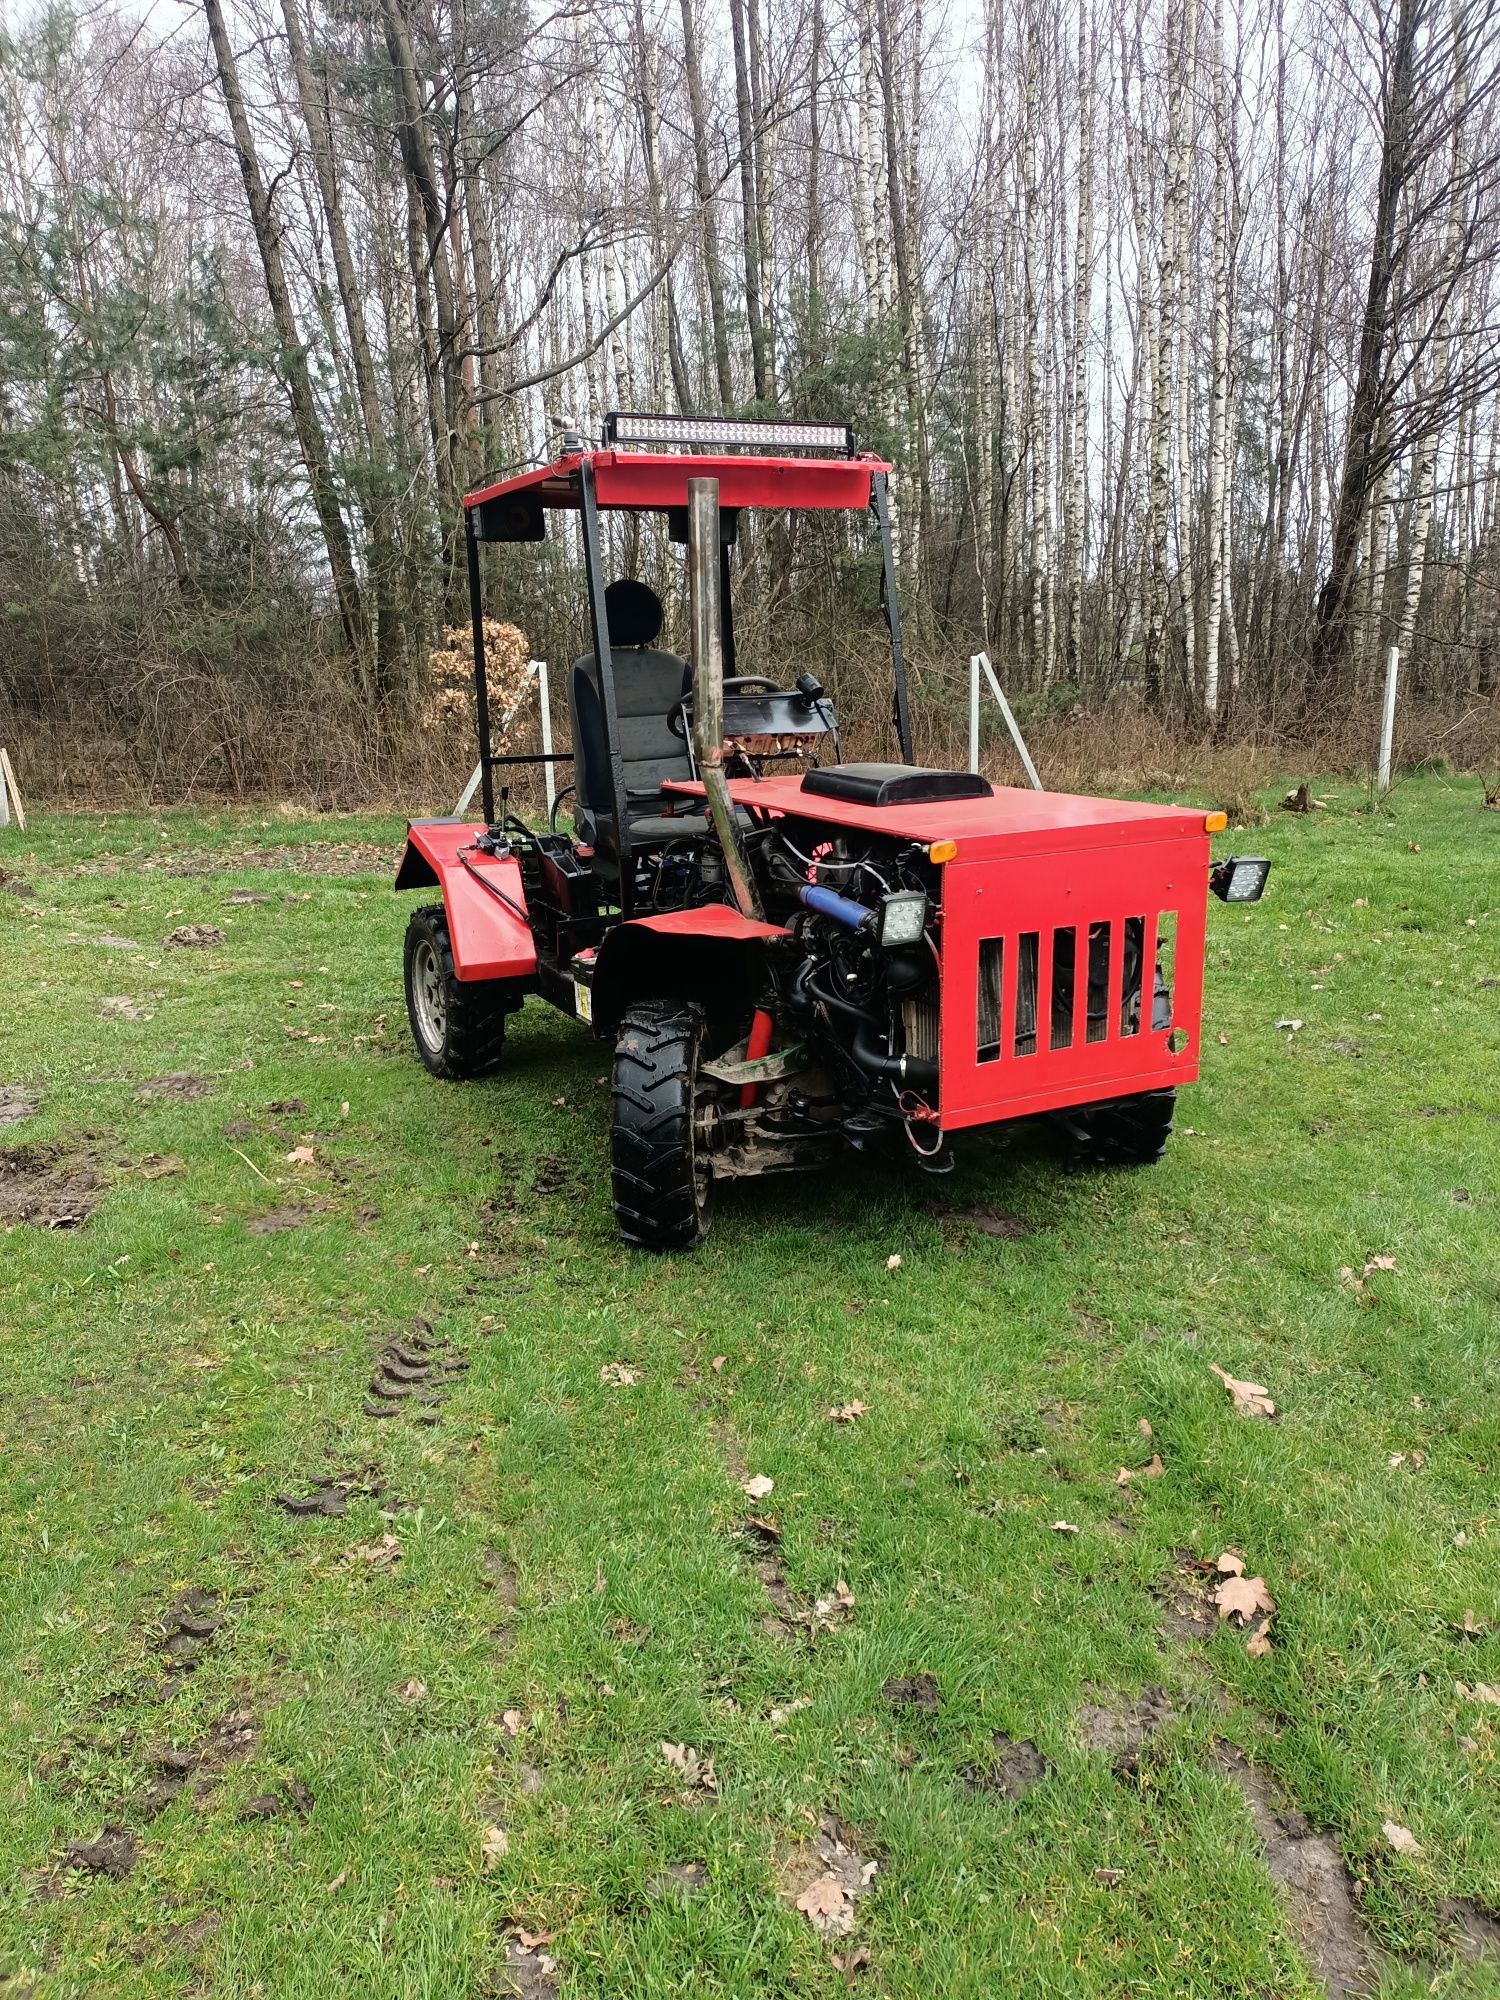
x,y
1240,879
903,918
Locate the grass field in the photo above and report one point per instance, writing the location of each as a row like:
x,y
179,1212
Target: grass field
x,y
413,1745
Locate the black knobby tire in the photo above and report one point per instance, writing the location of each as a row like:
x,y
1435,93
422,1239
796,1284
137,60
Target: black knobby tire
x,y
458,1025
1127,1131
662,1189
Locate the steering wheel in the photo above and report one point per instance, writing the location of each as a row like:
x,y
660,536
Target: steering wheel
x,y
736,684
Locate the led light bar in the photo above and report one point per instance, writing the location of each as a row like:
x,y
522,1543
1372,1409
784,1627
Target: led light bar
x,y
754,433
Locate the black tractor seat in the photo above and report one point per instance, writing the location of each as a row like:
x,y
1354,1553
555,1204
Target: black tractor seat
x,y
649,682
893,784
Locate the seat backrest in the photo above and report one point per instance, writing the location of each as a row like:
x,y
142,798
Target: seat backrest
x,y
648,683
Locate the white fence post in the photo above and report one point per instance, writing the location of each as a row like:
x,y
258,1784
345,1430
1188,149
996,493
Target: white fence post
x,y
1388,720
536,672
982,660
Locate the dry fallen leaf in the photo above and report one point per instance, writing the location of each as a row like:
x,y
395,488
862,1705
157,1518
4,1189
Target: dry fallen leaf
x,y
512,1722
532,1940
697,1773
1401,1838
718,1362
850,1961
847,1413
828,1609
1230,1564
1481,1691
1258,1645
1143,1425
1242,1597
1152,1469
301,1156
892,1263
1378,1263
779,1717
1250,1398
1291,1027
414,1690
824,1899
494,1845
758,1487
1064,1528
618,1376
337,1883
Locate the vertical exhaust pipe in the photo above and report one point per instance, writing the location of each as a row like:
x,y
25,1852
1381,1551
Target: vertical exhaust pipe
x,y
707,624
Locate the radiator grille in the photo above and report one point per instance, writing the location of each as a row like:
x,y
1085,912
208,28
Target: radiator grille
x,y
1044,985
919,1022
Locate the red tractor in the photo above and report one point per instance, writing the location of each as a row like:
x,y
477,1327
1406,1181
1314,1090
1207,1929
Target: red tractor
x,y
864,955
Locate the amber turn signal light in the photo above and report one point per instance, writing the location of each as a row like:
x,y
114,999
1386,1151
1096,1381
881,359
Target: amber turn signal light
x,y
1215,822
942,850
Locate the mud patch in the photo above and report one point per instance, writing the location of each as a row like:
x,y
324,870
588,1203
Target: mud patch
x,y
985,1220
189,1626
179,1086
1311,1881
1187,1612
120,1007
243,898
416,1374
824,1878
113,1855
194,937
530,1972
329,1494
1010,1771
294,1215
1121,1731
678,1882
499,1574
11,884
16,1103
919,1691
52,1187
1475,1932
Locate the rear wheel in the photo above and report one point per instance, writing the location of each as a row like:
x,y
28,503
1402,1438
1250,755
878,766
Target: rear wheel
x,y
458,1025
660,1176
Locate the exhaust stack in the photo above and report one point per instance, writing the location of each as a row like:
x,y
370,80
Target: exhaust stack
x,y
705,616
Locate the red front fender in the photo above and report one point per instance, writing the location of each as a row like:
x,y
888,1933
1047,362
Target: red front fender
x,y
482,898
712,955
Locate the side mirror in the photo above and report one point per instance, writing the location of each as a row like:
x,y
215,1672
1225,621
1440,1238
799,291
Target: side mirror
x,y
1240,879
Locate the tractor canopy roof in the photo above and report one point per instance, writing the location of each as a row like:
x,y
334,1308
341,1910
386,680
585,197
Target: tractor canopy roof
x,y
646,481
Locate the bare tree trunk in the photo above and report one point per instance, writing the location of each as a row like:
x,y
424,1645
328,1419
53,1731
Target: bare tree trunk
x,y
309,425
1218,425
749,205
1083,272
377,497
712,271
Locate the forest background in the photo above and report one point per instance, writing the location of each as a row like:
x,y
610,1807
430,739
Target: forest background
x,y
1178,319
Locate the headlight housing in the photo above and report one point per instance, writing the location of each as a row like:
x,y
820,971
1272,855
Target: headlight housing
x,y
902,919
1240,879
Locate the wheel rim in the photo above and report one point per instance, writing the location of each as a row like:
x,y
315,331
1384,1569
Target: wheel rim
x,y
429,995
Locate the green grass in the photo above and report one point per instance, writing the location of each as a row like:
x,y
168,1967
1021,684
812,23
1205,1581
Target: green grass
x,y
166,1373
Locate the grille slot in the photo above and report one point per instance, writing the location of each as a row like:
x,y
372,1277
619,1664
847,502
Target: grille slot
x,y
991,973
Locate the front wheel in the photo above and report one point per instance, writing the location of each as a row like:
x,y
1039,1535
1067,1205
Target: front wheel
x,y
660,1175
1125,1132
458,1025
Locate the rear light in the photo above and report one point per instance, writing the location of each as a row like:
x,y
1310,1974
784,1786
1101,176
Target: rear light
x,y
1240,879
